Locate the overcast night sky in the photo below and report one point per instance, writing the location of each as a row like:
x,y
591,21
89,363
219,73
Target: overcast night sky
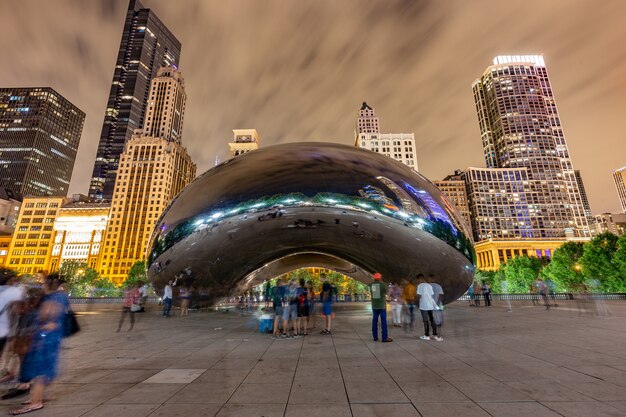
x,y
299,70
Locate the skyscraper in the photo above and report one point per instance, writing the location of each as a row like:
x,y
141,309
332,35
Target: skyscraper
x,y
147,44
367,121
453,186
153,169
520,128
39,135
583,197
244,140
619,176
398,146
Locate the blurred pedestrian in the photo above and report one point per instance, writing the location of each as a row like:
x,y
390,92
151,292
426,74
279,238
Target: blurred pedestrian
x,y
408,297
378,290
130,305
143,296
470,293
478,290
278,295
303,308
184,294
395,294
504,287
290,310
427,304
312,305
552,292
542,289
10,295
41,361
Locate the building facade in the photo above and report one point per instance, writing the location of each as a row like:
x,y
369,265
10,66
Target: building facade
x,y
584,198
367,121
610,222
31,245
492,253
619,176
153,169
398,146
40,132
521,133
244,140
146,45
453,186
9,210
78,232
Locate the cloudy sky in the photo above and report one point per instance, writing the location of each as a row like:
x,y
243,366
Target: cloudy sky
x,y
299,70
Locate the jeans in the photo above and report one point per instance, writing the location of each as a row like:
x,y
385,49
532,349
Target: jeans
x,y
382,313
167,306
409,316
427,316
487,296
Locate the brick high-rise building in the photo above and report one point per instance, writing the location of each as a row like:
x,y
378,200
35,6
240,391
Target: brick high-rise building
x,y
40,132
146,45
153,169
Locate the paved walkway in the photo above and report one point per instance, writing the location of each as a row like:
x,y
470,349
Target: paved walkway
x,y
530,362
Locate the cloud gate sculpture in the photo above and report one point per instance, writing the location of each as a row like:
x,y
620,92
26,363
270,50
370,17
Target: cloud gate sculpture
x,y
297,205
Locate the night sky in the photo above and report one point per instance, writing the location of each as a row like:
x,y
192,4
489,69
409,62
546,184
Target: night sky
x,y
299,71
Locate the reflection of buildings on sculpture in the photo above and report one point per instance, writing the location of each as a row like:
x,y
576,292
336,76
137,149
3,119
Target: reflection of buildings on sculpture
x,y
78,231
244,140
408,204
376,194
398,146
453,188
609,222
154,167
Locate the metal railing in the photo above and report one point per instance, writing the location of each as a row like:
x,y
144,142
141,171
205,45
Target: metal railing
x,y
555,296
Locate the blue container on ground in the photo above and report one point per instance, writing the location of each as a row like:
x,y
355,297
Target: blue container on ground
x,y
266,323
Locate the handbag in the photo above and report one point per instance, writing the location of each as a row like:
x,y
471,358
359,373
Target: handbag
x,y
135,307
438,317
70,323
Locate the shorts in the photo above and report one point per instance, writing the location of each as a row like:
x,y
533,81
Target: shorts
x,y
303,311
327,309
278,310
290,312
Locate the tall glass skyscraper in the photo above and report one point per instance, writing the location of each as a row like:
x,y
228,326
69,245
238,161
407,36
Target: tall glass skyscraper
x,y
39,135
147,45
520,128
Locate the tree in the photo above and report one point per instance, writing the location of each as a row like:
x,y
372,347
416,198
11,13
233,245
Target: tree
x,y
78,277
564,268
521,272
598,263
136,274
620,263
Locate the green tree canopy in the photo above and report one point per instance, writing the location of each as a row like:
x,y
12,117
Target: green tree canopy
x,y
564,268
598,263
136,274
521,272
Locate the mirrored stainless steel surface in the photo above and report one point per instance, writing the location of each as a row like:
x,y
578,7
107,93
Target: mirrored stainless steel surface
x,y
296,205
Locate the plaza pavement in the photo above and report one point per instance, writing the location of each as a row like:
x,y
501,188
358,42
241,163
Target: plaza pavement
x,y
529,362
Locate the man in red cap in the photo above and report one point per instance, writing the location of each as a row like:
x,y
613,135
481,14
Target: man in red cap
x,y
378,290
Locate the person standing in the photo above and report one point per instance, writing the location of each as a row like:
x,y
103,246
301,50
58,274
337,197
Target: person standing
x,y
408,297
395,293
312,304
477,293
167,297
542,290
378,290
427,304
470,293
303,308
278,294
184,293
40,363
486,293
326,297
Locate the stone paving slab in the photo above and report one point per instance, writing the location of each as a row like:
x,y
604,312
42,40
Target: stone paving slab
x,y
491,363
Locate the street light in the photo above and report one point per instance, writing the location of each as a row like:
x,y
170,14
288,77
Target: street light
x,y
577,267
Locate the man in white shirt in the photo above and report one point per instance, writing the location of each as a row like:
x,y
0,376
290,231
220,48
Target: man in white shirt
x,y
167,297
427,304
9,294
143,296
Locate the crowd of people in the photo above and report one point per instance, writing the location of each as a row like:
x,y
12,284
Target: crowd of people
x,y
33,322
296,305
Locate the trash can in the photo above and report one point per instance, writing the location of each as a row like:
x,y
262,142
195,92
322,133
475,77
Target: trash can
x,y
266,323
